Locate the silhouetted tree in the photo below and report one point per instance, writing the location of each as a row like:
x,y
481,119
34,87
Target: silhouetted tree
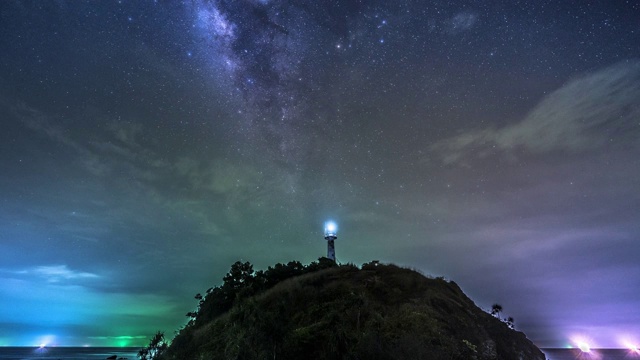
x,y
242,282
238,276
510,322
280,272
321,264
496,309
156,347
192,314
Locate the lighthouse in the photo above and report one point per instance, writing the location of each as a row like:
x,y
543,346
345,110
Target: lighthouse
x,y
330,234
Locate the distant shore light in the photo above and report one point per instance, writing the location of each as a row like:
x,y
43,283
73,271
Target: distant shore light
x,y
584,347
631,345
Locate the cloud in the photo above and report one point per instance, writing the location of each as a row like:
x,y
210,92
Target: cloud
x,y
138,186
584,114
70,306
120,337
57,273
43,124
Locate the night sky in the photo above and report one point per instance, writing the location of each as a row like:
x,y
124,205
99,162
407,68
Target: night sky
x,y
146,146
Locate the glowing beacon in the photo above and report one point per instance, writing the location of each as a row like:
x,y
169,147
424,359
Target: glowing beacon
x,y
330,231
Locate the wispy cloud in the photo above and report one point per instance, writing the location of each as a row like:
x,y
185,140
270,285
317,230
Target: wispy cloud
x,y
41,123
586,113
58,273
121,337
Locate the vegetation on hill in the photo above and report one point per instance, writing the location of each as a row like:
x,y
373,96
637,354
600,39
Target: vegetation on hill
x,y
326,311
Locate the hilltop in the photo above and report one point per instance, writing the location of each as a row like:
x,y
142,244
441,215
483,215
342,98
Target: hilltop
x,y
326,311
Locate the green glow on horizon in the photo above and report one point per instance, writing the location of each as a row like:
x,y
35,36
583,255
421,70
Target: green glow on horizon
x,y
123,343
120,341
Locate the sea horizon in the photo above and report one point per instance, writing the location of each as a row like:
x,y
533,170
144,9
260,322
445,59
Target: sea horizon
x,y
130,353
592,354
67,352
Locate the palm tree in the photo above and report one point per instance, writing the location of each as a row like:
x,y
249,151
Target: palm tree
x,y
496,309
510,323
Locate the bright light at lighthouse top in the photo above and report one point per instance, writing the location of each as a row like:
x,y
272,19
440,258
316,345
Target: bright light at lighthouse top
x,y
330,229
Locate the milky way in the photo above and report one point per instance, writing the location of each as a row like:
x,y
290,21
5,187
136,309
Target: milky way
x,y
276,53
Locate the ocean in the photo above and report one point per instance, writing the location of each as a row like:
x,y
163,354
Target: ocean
x,y
594,354
67,353
95,353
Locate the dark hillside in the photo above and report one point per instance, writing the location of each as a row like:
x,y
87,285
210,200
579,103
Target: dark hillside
x,y
342,312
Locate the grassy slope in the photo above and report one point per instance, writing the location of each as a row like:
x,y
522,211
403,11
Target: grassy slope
x,y
379,312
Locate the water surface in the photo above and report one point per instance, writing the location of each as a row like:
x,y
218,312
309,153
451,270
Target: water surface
x,y
66,353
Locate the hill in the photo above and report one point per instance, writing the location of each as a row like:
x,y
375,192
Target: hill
x,y
325,311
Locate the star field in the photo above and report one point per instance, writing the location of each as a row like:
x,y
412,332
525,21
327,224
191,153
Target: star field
x,y
146,146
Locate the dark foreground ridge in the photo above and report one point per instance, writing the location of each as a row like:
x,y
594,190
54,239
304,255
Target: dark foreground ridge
x,y
325,311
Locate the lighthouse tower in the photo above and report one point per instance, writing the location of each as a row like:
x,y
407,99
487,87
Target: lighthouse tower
x,y
330,234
